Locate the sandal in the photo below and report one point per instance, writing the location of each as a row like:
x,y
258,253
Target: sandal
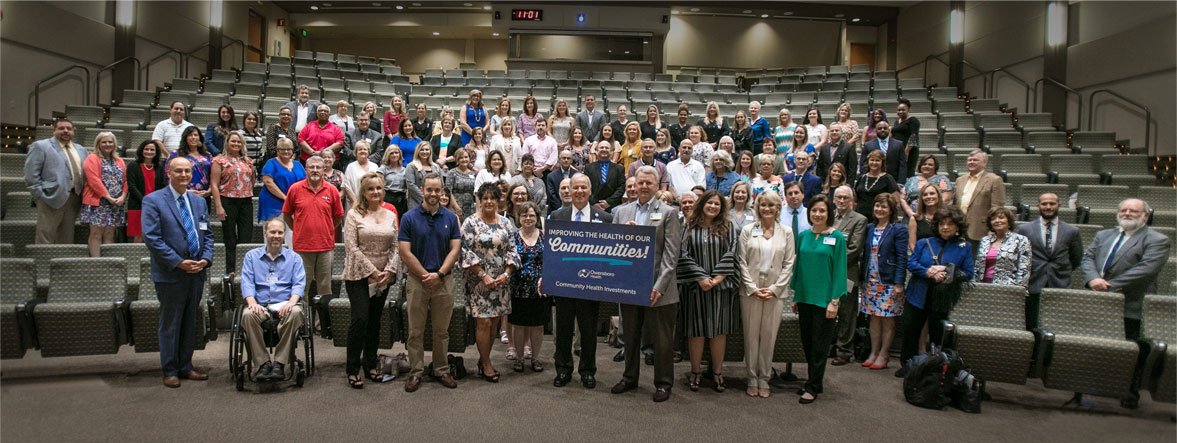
x,y
355,381
518,366
719,385
488,377
693,381
380,377
536,366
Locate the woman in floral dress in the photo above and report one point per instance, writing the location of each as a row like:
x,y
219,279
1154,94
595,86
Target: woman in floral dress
x,y
489,258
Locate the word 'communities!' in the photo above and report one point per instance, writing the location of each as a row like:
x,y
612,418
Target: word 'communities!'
x,y
616,250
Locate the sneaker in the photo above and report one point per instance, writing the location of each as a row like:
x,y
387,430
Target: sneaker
x,y
511,353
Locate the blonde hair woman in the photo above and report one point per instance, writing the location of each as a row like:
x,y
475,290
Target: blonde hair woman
x,y
421,165
631,148
370,267
105,192
473,116
766,258
560,124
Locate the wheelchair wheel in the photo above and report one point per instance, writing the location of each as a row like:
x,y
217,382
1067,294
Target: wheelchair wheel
x,y
235,342
240,376
300,375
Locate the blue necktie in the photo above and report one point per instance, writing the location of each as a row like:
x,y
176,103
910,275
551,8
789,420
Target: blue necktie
x,y
604,172
189,228
579,215
883,145
1107,264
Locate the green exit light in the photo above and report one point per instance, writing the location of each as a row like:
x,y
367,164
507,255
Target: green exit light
x,y
302,32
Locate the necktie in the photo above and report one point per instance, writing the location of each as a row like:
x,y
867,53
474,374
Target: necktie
x,y
1107,265
579,215
189,227
75,172
883,145
1049,236
796,226
604,171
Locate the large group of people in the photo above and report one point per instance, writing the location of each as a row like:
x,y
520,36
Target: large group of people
x,y
829,220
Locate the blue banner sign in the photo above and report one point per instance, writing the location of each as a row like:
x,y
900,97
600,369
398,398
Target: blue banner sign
x,y
599,261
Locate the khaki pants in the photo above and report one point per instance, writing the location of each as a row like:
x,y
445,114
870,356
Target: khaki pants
x,y
318,268
56,226
762,320
438,305
251,322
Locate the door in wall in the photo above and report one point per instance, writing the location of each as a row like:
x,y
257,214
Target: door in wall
x,y
256,44
862,54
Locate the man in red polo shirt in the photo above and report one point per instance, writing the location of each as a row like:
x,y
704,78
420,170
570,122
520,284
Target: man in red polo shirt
x,y
313,209
320,134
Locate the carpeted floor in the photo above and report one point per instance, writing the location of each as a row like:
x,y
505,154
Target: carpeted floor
x,y
121,398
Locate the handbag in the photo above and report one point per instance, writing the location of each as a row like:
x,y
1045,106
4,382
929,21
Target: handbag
x,y
942,296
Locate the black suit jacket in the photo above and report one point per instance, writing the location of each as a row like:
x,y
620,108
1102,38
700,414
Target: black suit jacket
x,y
136,185
1052,269
565,214
896,159
553,184
842,153
612,190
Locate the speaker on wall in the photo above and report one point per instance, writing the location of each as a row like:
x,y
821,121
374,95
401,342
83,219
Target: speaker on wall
x,y
665,19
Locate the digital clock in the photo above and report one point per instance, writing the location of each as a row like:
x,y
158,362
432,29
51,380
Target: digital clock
x,y
532,15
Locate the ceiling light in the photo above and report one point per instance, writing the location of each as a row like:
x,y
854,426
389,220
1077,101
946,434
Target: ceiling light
x,y
627,52
486,8
694,9
674,12
839,15
788,13
435,33
763,15
855,20
399,7
747,11
495,34
314,8
467,4
375,3
327,4
416,4
645,42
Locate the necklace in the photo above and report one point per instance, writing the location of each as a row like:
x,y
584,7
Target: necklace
x,y
871,185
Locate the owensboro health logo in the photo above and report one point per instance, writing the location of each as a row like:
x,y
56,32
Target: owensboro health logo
x,y
595,275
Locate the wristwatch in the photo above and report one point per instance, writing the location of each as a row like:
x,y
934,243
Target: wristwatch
x,y
440,274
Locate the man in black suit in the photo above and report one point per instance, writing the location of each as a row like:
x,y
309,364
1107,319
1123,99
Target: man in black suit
x,y
837,151
1057,250
362,131
302,108
552,181
590,120
896,157
570,310
607,178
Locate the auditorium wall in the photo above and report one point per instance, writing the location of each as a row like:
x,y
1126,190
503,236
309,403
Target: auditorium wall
x,y
743,43
415,57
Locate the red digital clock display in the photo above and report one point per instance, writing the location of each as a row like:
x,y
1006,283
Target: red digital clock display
x,y
534,15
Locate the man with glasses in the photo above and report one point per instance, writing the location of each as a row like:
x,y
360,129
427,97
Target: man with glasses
x,y
319,135
170,131
313,210
853,226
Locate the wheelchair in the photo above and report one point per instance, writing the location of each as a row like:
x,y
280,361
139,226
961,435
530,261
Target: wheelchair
x,y
240,358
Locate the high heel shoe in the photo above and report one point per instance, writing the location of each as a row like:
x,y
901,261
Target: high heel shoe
x,y
693,381
488,377
719,385
868,362
877,366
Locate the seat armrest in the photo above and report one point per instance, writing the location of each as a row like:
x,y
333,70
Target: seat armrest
x,y
1043,346
1153,363
1052,177
948,340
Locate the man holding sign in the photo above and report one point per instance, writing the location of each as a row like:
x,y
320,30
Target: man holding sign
x,y
575,312
662,311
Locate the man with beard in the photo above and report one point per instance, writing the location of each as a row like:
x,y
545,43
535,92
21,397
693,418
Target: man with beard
x,y
313,210
1056,250
1127,259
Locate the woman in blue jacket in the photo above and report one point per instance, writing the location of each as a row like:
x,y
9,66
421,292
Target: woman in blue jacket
x,y
884,270
928,265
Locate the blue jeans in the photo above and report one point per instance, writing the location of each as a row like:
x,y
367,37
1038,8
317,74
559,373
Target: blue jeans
x,y
178,308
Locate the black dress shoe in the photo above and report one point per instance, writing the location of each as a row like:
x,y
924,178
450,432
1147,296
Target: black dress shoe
x,y
277,372
588,381
661,395
623,387
620,356
649,359
562,379
263,373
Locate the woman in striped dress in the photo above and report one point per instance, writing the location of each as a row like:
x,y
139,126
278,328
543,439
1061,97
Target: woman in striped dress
x,y
709,285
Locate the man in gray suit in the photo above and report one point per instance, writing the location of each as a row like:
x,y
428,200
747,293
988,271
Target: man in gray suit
x,y
53,173
663,309
302,107
1127,259
1057,250
362,131
853,226
590,120
574,312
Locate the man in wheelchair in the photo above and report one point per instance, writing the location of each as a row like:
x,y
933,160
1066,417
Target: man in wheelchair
x,y
272,282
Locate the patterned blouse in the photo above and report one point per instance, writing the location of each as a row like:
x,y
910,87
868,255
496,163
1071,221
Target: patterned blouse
x,y
850,130
201,169
705,255
237,176
580,157
493,247
370,246
527,124
525,280
461,185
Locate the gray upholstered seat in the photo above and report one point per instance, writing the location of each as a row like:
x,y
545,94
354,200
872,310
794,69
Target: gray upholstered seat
x,y
17,290
1083,347
83,312
1159,327
143,315
988,328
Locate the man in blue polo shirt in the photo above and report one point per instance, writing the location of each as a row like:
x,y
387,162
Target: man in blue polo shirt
x,y
272,282
430,242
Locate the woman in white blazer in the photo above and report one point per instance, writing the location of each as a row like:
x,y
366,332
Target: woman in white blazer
x,y
765,262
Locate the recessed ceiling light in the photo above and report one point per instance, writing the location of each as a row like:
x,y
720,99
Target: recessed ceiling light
x,y
627,52
674,12
416,4
763,15
694,9
375,3
486,8
645,42
495,34
314,8
326,4
855,20
747,11
788,13
467,4
399,7
435,33
839,15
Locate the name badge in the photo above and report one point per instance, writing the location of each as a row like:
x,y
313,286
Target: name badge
x,y
748,217
655,216
596,220
830,241
757,232
203,226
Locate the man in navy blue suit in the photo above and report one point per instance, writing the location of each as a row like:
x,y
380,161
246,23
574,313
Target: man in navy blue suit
x,y
176,231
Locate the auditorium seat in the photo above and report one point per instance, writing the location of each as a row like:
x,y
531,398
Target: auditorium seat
x,y
1083,348
132,253
185,85
957,122
461,329
19,206
143,315
1131,170
1103,202
126,118
17,295
206,103
84,116
1093,142
1159,328
18,232
1035,122
138,99
1074,169
1023,168
1050,142
391,327
988,328
44,253
1009,142
220,87
83,313
984,106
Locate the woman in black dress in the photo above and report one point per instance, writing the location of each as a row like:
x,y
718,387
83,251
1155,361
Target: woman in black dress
x,y
529,308
919,225
907,130
876,181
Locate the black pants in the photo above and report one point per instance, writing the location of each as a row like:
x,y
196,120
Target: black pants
x,y
817,332
913,325
582,314
661,321
363,336
398,200
1033,304
236,228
